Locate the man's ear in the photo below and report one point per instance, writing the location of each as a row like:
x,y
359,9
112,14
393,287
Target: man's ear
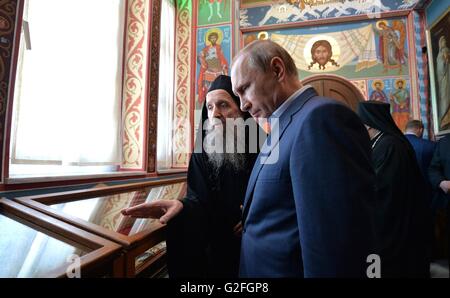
x,y
278,68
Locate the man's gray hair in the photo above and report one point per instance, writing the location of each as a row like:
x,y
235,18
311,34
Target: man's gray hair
x,y
261,52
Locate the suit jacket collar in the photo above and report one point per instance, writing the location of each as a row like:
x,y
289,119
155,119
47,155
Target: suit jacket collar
x,y
411,135
278,126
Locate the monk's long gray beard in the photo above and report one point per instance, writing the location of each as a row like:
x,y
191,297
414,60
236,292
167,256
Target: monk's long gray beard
x,y
236,161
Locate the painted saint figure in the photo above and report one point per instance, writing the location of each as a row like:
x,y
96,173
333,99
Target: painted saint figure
x,y
212,63
211,3
378,92
400,104
321,53
443,79
391,47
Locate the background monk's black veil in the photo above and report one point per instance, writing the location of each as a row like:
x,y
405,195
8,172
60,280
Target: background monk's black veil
x,y
401,217
377,115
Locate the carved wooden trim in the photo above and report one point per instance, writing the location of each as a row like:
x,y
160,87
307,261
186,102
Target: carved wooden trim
x,y
154,82
8,10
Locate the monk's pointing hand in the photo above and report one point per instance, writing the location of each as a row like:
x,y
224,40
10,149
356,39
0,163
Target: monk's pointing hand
x,y
164,210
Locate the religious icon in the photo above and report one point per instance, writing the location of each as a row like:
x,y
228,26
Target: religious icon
x,y
321,53
438,41
392,44
400,104
263,35
443,82
378,92
212,62
211,3
213,12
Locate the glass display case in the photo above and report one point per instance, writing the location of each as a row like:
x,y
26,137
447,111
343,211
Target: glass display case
x,y
97,210
33,244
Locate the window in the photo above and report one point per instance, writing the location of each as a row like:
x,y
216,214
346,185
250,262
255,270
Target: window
x,y
67,97
164,142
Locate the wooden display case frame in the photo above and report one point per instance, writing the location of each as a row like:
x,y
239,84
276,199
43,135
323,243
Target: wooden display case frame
x,y
132,246
105,257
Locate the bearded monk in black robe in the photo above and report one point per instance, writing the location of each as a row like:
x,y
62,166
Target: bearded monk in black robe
x,y
203,235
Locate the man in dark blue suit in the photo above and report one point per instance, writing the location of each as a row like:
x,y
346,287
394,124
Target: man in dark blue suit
x,y
439,173
307,207
423,148
439,170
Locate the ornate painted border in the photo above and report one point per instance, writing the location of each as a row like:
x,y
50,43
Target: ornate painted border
x,y
422,74
413,69
134,85
8,9
182,132
154,82
370,11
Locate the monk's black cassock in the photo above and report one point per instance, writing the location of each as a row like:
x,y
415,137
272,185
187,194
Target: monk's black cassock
x,y
401,218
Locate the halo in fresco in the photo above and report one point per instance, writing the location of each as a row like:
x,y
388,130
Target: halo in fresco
x,y
398,81
263,35
219,34
377,82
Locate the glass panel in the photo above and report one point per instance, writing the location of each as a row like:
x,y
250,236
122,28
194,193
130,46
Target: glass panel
x,y
97,44
105,211
166,87
26,252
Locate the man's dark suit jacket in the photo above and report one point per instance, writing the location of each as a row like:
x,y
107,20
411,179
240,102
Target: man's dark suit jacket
x,y
306,209
424,152
439,171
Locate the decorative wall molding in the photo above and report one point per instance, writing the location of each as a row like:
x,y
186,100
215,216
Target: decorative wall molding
x,y
134,84
422,75
8,10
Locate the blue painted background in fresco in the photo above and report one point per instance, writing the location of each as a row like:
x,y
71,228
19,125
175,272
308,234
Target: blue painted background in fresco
x,y
287,13
335,28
